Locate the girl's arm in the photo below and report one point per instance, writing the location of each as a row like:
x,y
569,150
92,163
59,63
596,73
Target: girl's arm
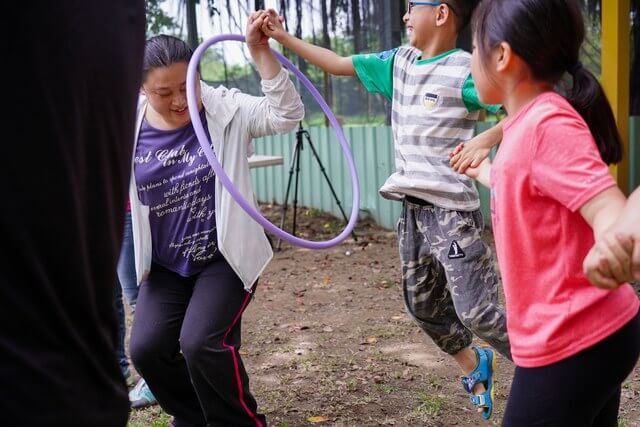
x,y
615,258
481,173
602,213
325,59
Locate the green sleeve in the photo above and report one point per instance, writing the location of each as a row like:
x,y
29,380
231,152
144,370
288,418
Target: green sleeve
x,y
375,71
472,100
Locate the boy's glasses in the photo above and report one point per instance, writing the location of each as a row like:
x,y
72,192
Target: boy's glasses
x,y
412,4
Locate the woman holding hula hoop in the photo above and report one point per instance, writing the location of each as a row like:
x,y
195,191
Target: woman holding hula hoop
x,y
198,254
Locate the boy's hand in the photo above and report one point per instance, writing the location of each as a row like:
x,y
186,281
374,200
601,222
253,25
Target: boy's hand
x,y
255,37
476,150
273,27
468,155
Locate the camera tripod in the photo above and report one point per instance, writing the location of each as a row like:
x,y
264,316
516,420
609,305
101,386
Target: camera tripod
x,y
301,136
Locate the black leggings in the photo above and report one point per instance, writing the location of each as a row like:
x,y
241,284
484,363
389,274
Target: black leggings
x,y
580,391
184,342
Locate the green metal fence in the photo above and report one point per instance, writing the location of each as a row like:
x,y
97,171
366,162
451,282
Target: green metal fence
x,y
372,149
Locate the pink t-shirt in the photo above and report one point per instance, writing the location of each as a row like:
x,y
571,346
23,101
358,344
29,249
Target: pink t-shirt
x,y
547,168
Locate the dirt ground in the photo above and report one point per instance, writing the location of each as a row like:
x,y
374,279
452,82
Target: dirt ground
x,y
327,342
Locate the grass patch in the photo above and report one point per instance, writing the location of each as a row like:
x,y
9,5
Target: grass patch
x,y
385,388
430,404
153,416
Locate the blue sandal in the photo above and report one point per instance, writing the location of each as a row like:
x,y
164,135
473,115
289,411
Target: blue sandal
x,y
482,374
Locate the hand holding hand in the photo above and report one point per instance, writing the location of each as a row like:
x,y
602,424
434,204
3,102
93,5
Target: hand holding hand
x,y
255,37
614,259
467,155
273,27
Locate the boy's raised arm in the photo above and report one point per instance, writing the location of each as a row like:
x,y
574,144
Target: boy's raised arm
x,y
325,59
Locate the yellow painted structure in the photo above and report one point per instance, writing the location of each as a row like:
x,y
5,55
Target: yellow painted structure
x,y
615,74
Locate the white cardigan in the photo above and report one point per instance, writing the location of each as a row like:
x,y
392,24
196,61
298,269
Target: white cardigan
x,y
233,119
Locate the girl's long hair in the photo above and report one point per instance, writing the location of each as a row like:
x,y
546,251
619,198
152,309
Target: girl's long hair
x,y
547,35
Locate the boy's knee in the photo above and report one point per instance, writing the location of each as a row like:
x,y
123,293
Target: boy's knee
x,y
475,321
418,313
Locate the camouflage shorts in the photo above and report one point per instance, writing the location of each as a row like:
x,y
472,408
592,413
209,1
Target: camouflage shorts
x,y
450,285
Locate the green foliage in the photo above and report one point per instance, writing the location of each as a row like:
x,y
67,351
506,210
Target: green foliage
x,y
212,66
157,20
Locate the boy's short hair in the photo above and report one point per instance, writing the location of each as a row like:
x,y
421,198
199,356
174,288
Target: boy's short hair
x,y
463,10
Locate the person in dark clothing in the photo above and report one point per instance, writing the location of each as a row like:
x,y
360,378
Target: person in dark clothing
x,y
72,102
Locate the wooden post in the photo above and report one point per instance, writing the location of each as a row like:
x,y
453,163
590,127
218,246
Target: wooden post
x,y
615,75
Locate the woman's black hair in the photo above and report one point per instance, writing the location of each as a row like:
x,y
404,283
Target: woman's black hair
x,y
547,35
163,51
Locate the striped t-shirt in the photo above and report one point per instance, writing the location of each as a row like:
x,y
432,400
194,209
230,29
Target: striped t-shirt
x,y
434,107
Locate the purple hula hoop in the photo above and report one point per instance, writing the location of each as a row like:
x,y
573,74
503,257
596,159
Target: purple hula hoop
x,y
224,179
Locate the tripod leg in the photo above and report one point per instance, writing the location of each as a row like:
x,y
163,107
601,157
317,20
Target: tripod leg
x,y
295,189
294,160
326,177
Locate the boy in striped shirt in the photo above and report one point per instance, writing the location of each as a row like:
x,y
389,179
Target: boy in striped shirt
x,y
449,283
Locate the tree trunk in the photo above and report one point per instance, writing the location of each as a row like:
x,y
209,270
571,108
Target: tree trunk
x,y
326,43
357,26
392,27
192,26
224,59
299,19
284,5
312,11
332,14
302,64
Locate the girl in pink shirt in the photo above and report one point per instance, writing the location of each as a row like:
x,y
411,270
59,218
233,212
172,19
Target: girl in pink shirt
x,y
551,194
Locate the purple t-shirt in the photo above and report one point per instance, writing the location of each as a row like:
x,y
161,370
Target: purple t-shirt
x,y
176,181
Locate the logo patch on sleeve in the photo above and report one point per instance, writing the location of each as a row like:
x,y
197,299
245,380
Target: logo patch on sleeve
x,y
455,251
386,54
